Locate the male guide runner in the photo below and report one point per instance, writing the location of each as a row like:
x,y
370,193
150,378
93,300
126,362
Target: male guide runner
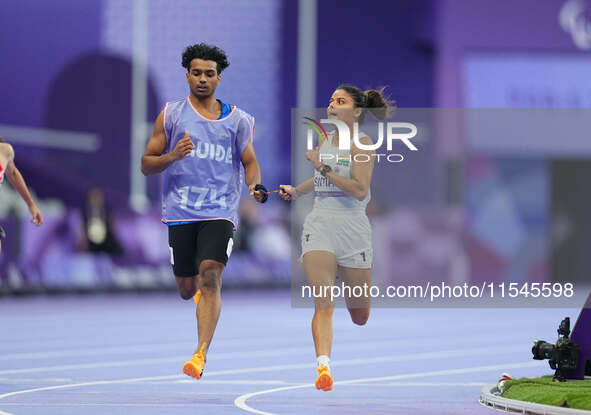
x,y
198,145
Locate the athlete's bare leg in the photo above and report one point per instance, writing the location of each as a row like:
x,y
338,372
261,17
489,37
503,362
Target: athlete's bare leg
x,y
358,306
209,306
321,268
187,286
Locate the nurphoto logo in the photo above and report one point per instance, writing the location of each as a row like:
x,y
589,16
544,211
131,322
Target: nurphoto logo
x,y
388,132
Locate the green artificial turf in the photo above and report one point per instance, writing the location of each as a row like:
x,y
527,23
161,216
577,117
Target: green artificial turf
x,y
571,394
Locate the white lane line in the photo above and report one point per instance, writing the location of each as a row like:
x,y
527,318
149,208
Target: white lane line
x,y
365,361
239,382
260,369
152,361
271,369
93,383
123,363
421,384
263,353
95,351
514,365
240,401
135,348
222,343
34,380
106,404
5,413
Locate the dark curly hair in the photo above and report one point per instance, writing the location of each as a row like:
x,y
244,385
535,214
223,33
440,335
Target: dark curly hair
x,y
372,100
205,52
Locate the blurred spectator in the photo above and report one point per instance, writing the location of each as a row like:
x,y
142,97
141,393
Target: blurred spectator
x,y
98,234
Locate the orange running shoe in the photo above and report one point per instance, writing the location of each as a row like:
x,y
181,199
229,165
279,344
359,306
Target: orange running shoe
x,y
324,380
194,367
197,296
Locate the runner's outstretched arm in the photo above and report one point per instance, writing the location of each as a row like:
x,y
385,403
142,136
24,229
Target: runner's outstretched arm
x,y
17,181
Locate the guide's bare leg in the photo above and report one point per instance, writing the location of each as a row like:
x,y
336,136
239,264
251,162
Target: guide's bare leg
x,y
188,288
209,306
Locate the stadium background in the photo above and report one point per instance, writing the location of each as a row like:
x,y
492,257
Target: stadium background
x,y
82,83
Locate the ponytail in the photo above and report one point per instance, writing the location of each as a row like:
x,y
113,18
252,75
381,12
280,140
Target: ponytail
x,y
377,103
372,100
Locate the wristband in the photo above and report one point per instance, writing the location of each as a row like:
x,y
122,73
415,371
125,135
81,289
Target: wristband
x,y
263,190
325,169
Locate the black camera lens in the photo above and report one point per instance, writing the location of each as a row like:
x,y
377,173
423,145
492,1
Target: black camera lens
x,y
542,350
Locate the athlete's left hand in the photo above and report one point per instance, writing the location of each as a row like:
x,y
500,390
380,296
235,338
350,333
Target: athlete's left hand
x,y
37,217
314,157
258,196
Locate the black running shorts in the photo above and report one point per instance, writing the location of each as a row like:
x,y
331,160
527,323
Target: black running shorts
x,y
194,242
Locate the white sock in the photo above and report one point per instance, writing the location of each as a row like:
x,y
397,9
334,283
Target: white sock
x,y
323,360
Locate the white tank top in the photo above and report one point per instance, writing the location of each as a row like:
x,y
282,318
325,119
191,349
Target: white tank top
x,y
329,196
